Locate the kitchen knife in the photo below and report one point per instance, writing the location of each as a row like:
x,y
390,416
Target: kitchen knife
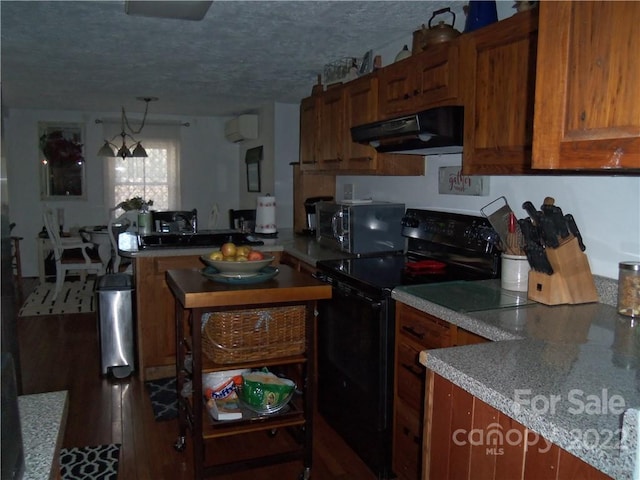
x,y
557,217
573,228
531,211
533,249
548,231
541,260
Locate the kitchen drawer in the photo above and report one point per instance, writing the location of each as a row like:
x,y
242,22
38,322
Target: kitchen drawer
x,y
428,331
465,337
411,376
407,444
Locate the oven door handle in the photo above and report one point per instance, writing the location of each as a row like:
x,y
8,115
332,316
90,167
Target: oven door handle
x,y
352,293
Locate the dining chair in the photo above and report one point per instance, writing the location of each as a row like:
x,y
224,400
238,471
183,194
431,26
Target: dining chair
x,y
71,254
115,226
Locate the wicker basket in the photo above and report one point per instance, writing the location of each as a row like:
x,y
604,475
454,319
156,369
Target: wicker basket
x,y
257,334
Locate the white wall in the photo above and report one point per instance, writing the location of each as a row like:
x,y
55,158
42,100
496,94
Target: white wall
x,y
209,173
278,133
287,150
606,208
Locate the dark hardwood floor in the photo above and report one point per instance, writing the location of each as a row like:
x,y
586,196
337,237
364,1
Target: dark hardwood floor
x,y
61,352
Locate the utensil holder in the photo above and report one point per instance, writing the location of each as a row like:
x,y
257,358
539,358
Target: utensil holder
x,y
571,282
514,273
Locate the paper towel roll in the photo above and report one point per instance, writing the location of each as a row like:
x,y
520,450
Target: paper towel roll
x,y
266,215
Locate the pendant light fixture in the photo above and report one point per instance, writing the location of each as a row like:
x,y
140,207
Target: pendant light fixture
x,y
134,149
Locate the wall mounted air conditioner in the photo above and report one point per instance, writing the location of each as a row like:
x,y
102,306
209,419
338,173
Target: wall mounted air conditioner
x,y
243,127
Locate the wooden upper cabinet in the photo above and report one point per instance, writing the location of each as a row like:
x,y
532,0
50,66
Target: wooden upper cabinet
x,y
331,131
325,133
361,107
309,124
498,89
587,102
428,79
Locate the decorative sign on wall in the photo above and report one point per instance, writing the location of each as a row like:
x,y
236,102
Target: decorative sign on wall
x,y
451,181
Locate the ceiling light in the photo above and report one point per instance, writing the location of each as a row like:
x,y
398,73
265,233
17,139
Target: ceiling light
x,y
181,10
109,149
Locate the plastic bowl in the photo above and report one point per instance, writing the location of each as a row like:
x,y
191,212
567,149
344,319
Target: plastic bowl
x,y
264,392
237,268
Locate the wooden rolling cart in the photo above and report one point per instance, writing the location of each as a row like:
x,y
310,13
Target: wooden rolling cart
x,y
196,296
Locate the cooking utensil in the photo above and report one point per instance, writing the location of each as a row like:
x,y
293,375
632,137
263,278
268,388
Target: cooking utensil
x,y
533,247
499,214
573,228
514,237
548,231
534,215
557,217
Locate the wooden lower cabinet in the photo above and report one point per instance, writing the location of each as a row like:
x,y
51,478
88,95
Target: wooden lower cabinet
x,y
416,331
155,312
297,264
451,413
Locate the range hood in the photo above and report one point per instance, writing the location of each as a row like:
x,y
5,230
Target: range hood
x,y
438,130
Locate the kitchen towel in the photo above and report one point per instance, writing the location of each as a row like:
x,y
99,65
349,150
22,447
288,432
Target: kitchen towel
x,y
95,463
266,215
75,297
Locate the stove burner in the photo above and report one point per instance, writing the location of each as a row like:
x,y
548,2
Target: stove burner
x,y
424,266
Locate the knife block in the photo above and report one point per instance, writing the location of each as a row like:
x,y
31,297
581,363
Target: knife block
x,y
571,281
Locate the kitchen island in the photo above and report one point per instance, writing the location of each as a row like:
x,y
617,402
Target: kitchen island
x,y
231,306
155,329
567,373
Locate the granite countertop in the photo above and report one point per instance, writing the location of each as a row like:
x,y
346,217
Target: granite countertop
x,y
307,248
567,372
43,417
304,248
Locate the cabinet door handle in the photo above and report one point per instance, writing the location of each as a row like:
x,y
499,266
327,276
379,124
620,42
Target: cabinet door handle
x,y
412,331
416,92
406,96
412,370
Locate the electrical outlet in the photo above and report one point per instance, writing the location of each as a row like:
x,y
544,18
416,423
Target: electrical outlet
x,y
349,192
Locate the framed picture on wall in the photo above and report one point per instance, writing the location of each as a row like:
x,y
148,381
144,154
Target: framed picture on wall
x,y
252,158
61,159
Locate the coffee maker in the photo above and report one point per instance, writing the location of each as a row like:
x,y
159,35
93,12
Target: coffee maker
x,y
310,211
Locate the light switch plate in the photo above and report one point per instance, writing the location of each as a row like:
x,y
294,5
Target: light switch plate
x,y
349,192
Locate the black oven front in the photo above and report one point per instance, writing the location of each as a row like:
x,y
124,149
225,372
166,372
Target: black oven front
x,y
356,327
355,370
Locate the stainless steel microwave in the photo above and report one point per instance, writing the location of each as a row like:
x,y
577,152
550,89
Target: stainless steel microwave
x,y
360,228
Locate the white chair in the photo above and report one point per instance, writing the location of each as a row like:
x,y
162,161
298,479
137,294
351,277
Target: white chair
x,y
113,229
71,254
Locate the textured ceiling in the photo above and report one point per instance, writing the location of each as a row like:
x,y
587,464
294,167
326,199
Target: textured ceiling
x,y
88,55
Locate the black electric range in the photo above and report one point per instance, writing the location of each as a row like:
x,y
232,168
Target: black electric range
x,y
356,327
441,247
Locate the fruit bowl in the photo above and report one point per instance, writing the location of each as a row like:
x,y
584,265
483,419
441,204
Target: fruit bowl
x,y
236,269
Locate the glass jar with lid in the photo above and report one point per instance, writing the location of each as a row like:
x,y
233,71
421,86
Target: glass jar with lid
x,y
629,289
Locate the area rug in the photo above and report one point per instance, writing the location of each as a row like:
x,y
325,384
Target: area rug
x,y
164,398
90,463
75,297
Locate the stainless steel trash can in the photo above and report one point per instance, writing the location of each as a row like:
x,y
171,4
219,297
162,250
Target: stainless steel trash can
x,y
115,324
